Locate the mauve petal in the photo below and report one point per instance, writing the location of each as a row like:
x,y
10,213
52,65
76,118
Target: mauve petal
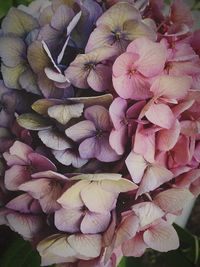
x,y
167,138
127,229
13,160
99,115
173,200
77,76
54,140
94,223
49,202
133,86
161,115
171,87
51,175
72,197
152,56
15,176
25,204
64,113
105,152
68,157
41,163
26,225
117,140
20,150
81,130
55,249
100,78
118,186
68,220
12,50
62,17
147,213
136,166
154,176
88,246
89,148
134,247
118,14
161,237
117,112
55,76
18,22
105,201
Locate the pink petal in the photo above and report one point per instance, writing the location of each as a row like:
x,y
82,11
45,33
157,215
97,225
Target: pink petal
x,y
127,229
136,166
13,160
161,237
25,204
181,152
77,76
144,144
81,130
117,140
147,212
133,86
26,225
134,247
68,220
161,115
154,176
173,200
171,87
105,201
152,56
21,150
94,223
167,138
88,246
117,112
124,63
15,176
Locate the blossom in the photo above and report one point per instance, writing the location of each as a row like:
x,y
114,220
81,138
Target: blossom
x,y
133,69
93,135
80,213
91,70
118,26
23,161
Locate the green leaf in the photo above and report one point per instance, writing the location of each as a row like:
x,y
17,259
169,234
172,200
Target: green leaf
x,y
122,262
20,254
4,7
33,122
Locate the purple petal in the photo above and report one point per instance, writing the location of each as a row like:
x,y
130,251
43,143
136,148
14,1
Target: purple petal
x,y
99,116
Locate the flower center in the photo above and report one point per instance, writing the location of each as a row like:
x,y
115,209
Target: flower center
x,y
89,66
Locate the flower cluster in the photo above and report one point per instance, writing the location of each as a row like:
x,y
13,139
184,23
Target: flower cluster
x,y
99,127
